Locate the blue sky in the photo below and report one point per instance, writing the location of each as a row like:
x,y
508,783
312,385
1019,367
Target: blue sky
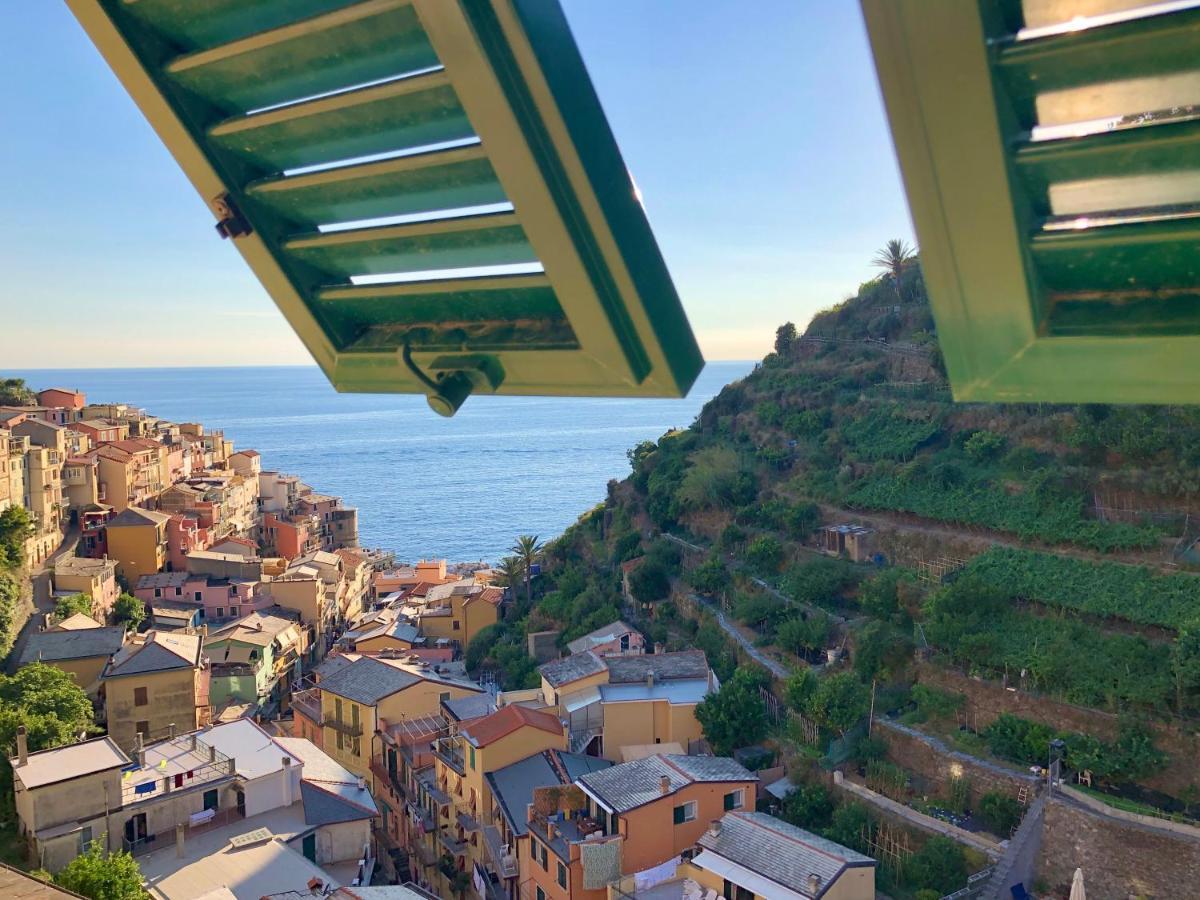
x,y
754,131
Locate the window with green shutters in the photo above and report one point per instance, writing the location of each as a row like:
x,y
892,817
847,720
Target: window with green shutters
x,y
734,799
471,754
685,812
562,875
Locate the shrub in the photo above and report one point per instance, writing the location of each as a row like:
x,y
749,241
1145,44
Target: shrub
x,y
765,553
940,865
1000,813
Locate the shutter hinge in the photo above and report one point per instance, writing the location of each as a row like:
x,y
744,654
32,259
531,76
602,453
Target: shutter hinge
x,y
230,221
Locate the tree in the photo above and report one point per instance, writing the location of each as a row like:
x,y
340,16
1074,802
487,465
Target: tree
x,y
735,716
1185,663
15,527
15,392
649,582
710,576
894,258
765,553
103,876
73,605
528,549
808,806
939,865
804,633
48,702
1000,812
838,702
785,337
131,609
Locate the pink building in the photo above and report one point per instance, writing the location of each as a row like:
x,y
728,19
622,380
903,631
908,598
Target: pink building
x,y
219,599
185,533
62,398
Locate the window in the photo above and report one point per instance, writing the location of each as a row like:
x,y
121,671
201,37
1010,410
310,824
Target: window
x,y
200,598
139,696
444,696
158,592
540,854
541,895
178,592
457,625
220,612
562,875
233,611
471,750
734,799
85,838
142,728
685,813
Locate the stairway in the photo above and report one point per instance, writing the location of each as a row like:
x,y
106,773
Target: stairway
x,y
1020,859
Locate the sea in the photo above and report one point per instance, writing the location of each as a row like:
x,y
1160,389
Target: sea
x,y
425,486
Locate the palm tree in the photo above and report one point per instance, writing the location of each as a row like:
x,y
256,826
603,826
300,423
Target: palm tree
x,y
527,549
511,569
894,258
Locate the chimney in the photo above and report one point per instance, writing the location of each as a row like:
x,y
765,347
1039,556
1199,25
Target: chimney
x,y
714,827
664,785
814,883
650,679
212,753
179,841
22,746
362,783
171,731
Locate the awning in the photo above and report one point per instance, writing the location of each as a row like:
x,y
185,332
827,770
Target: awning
x,y
581,699
743,877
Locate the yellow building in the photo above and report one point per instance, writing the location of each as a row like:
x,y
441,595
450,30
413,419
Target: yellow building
x,y
458,612
137,542
131,471
157,681
462,761
366,693
81,652
611,703
95,577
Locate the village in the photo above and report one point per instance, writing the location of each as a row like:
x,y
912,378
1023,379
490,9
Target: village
x,y
279,713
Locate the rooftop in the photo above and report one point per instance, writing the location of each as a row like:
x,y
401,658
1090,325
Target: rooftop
x,y
513,785
336,795
604,635
368,679
133,515
161,650
773,850
260,627
16,885
504,722
77,622
472,706
571,668
72,643
681,692
72,761
664,666
630,785
165,579
82,565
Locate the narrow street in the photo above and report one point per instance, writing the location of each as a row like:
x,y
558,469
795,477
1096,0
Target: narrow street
x,y
42,594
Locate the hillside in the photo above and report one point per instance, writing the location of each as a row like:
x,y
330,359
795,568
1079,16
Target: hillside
x,y
1039,547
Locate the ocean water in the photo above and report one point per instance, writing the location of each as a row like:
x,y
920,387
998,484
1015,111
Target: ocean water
x,y
460,488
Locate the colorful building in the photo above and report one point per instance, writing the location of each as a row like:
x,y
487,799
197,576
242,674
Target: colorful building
x,y
157,682
136,540
255,658
95,577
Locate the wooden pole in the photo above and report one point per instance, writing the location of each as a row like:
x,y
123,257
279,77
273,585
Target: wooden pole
x,y
871,714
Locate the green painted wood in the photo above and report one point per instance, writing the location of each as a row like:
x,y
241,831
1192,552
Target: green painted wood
x,y
427,182
201,24
1149,149
1170,314
365,42
1147,256
448,244
500,312
1146,47
398,115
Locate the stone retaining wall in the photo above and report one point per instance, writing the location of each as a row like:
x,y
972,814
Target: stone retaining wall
x,y
986,700
1120,859
938,763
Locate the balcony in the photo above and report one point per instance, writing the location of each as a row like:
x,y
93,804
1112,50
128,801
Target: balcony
x,y
465,815
449,751
390,780
449,840
503,862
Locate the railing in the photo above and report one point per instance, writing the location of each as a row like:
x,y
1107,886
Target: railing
x,y
353,729
504,864
389,779
451,842
466,816
449,751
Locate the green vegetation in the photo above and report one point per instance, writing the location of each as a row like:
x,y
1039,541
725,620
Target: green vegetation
x,y
1000,812
735,716
129,609
15,392
100,875
1134,593
76,604
15,527
1131,757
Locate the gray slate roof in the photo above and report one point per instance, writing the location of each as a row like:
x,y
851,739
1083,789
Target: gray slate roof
x,y
603,635
630,785
664,666
323,808
471,706
55,646
780,852
134,515
162,650
367,681
571,668
513,786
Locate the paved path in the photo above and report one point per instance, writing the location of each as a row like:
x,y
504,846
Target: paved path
x,y
43,599
776,668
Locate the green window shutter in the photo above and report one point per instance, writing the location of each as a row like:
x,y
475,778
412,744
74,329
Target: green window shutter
x,y
679,815
428,189
471,749
1050,155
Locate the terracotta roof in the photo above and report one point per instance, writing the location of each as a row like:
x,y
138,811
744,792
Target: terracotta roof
x,y
505,721
491,595
246,453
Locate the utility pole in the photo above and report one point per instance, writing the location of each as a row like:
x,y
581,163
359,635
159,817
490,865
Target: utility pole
x,y
871,714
